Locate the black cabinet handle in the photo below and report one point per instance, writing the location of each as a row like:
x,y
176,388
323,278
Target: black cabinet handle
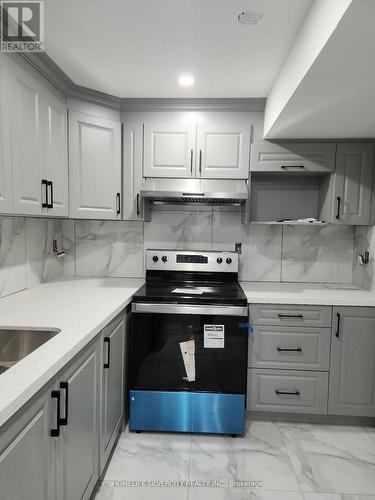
x,y
107,340
289,393
200,161
118,203
289,349
65,386
191,162
295,316
45,185
56,432
338,207
50,203
138,204
338,325
285,167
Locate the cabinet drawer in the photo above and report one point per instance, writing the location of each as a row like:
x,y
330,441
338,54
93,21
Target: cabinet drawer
x,y
291,348
287,391
290,315
288,157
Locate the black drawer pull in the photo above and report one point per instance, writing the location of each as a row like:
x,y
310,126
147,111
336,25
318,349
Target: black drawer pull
x,y
118,203
138,204
107,341
295,316
50,203
289,349
65,387
285,167
338,325
45,184
56,432
338,207
288,393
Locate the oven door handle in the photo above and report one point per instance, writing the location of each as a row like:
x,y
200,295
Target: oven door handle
x,y
140,307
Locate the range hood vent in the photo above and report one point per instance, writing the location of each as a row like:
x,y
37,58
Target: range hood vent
x,y
204,191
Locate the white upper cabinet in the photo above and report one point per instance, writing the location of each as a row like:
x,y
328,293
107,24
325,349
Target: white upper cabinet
x,y
132,177
5,153
27,143
293,157
169,150
352,183
56,151
223,151
94,166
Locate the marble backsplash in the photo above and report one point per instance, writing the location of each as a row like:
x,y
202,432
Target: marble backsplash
x,y
324,254
26,252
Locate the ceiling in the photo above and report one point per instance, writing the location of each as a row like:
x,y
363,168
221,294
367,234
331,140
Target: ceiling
x,y
138,48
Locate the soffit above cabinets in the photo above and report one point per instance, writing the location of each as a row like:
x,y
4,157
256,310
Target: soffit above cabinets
x,y
138,49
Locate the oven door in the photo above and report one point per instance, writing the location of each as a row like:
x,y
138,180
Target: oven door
x,y
218,351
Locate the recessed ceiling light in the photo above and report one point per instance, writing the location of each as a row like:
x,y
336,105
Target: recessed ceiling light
x,y
250,17
186,80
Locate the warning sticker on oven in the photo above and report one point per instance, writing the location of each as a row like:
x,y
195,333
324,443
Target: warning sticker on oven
x,y
214,336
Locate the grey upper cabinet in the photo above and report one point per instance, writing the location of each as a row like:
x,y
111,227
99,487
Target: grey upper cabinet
x,y
293,157
112,410
132,175
78,450
27,464
348,195
6,197
352,377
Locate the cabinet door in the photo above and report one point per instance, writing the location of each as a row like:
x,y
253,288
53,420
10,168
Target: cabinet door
x,y
352,184
27,143
352,377
79,447
112,386
5,154
169,150
27,467
132,178
292,157
94,166
223,151
56,151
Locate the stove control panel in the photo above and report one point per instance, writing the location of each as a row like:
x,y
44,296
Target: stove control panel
x,y
185,260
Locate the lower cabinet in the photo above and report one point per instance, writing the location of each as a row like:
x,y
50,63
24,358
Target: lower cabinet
x,y
112,407
352,375
56,446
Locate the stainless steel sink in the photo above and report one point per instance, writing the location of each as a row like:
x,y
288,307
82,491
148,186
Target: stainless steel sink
x,y
17,344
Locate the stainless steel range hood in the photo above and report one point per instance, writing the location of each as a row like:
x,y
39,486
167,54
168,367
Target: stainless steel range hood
x,y
203,191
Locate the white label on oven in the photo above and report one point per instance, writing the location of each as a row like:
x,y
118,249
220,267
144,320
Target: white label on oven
x,y
214,336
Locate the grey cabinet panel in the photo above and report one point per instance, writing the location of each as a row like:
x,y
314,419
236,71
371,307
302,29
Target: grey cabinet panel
x,y
112,410
347,197
290,315
290,348
78,460
26,458
287,391
132,178
289,157
352,377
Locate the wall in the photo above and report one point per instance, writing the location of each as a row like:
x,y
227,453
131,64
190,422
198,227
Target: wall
x,y
269,252
26,256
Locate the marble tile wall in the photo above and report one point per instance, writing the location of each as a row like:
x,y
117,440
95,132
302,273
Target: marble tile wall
x,y
269,252
26,252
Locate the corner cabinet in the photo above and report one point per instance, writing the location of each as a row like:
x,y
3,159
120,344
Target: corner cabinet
x,y
210,151
132,178
94,167
6,204
352,376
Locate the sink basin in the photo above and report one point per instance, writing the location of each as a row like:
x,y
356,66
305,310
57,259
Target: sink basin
x,y
17,344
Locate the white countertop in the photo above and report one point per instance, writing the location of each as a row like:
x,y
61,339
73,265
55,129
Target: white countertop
x,y
79,307
307,293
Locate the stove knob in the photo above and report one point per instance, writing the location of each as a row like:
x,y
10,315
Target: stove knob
x,y
155,258
219,260
228,260
164,258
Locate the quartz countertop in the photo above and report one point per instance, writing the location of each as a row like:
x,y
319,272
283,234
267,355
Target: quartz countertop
x,y
79,307
307,293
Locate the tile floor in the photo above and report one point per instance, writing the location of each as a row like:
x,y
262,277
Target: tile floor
x,y
287,461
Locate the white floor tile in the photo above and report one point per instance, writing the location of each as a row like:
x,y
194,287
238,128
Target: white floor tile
x,y
260,456
334,496
110,492
241,494
331,459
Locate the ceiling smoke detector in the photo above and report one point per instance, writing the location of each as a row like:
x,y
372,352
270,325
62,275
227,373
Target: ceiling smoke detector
x,y
250,17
